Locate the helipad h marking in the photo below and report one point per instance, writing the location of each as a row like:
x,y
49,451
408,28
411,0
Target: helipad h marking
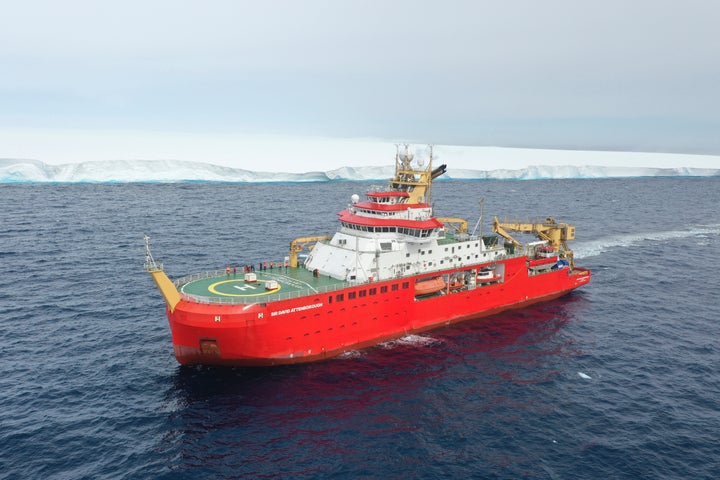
x,y
212,289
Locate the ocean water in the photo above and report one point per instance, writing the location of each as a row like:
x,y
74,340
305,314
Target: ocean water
x,y
618,380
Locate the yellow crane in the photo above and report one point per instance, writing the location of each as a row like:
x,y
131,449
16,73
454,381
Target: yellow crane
x,y
557,234
297,245
459,225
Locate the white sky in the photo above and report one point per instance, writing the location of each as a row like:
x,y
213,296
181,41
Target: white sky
x,y
90,80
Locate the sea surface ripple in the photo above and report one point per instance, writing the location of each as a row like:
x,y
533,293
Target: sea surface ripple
x,y
617,380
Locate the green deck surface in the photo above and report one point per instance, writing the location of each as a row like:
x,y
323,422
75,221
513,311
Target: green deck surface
x,y
223,288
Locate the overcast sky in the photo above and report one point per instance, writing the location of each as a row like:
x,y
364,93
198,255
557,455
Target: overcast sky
x,y
639,75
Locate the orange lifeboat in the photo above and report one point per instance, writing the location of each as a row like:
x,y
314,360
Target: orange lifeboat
x,y
431,285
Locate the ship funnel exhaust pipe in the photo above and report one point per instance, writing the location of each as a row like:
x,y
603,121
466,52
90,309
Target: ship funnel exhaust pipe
x,y
439,171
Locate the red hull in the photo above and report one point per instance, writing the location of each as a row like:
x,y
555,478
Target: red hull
x,y
320,326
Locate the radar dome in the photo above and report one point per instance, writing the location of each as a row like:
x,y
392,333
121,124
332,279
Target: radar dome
x,y
355,198
407,155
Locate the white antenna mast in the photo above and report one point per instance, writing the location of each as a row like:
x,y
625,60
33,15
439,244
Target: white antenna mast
x,y
150,264
478,225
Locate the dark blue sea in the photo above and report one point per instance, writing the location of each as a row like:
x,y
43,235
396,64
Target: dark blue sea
x,y
618,380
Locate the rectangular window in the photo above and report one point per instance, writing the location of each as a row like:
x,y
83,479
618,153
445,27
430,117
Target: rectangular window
x,y
395,287
383,289
405,285
351,295
363,293
373,291
339,297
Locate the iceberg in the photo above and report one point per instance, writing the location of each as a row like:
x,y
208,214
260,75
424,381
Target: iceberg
x,y
503,163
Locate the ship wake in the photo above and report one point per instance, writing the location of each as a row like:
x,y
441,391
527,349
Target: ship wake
x,y
597,247
412,340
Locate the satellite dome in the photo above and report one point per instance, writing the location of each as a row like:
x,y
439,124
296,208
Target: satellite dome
x,y
407,155
355,198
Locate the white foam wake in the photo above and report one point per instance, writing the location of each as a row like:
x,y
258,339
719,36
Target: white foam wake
x,y
596,247
411,340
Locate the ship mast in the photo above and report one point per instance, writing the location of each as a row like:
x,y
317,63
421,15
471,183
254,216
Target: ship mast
x,y
150,264
416,182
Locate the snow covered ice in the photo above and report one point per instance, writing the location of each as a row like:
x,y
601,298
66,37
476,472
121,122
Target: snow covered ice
x,y
470,163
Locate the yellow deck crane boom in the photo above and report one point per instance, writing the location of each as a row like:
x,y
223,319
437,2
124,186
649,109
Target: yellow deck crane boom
x,y
557,234
297,245
458,225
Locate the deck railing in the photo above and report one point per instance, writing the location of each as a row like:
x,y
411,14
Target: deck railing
x,y
298,293
244,301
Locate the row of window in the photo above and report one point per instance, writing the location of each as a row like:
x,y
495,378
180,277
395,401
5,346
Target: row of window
x,y
383,214
370,291
429,252
413,232
422,215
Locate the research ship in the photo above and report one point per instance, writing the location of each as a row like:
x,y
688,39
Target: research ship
x,y
391,269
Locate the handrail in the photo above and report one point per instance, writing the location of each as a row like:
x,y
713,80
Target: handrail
x,y
288,295
245,301
198,276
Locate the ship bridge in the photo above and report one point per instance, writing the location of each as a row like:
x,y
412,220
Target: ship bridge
x,y
392,233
